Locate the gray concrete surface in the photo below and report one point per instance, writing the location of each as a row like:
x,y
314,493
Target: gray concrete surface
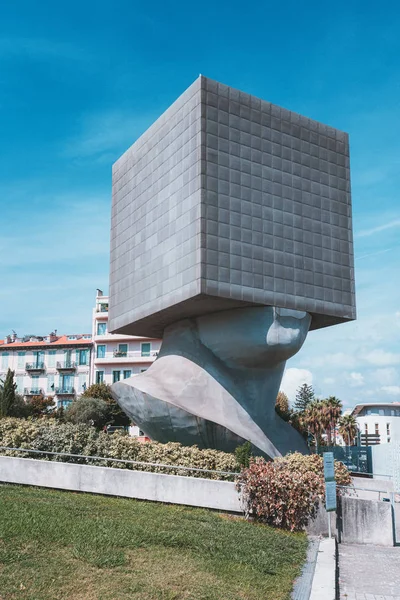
x,y
324,581
366,522
174,489
227,201
369,572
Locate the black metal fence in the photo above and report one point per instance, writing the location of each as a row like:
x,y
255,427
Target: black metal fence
x,y
358,459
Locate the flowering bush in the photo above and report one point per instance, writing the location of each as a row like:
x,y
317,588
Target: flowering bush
x,y
51,436
286,492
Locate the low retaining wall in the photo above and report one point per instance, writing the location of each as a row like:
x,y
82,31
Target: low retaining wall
x,y
365,522
174,489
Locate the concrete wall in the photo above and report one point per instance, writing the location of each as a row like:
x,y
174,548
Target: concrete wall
x,y
175,489
386,461
365,522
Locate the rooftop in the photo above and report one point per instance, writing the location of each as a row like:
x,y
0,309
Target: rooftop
x,y
358,407
84,339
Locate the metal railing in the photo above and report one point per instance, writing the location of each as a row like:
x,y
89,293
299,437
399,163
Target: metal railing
x,y
33,392
65,391
36,366
118,460
66,366
130,354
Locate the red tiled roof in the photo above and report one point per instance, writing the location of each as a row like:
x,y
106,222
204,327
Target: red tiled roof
x,y
61,340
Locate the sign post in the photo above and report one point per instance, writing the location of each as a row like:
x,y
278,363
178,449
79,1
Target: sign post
x,y
330,486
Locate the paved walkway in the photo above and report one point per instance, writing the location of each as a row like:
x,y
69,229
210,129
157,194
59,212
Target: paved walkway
x,y
369,572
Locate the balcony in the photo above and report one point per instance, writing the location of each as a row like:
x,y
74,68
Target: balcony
x,y
36,366
127,357
102,308
65,391
66,366
33,392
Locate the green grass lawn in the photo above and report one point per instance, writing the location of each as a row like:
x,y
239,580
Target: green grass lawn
x,y
59,545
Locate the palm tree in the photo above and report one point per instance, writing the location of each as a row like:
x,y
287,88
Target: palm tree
x,y
348,428
315,419
333,409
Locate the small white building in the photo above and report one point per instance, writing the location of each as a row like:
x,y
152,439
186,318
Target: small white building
x,y
117,356
54,365
379,423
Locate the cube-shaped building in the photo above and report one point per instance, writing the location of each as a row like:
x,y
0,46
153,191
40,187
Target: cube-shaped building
x,y
229,201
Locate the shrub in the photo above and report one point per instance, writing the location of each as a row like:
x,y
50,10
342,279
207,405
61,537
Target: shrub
x,y
91,411
315,464
286,492
50,435
243,454
277,495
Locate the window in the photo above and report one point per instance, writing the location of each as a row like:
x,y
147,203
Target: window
x,y
82,357
52,358
376,429
38,358
99,376
20,384
101,328
366,428
116,376
4,360
122,349
127,373
387,428
101,351
50,383
35,384
21,360
146,347
82,382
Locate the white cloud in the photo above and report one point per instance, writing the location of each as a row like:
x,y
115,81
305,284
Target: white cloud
x,y
379,228
292,379
382,358
337,359
107,135
329,380
387,376
355,379
392,390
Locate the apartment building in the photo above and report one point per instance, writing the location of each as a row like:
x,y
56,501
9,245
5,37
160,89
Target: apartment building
x,y
379,423
52,365
117,356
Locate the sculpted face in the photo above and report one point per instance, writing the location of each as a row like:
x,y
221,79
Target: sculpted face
x,y
216,379
259,337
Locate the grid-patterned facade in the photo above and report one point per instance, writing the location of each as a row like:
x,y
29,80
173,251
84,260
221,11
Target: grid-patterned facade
x,y
227,201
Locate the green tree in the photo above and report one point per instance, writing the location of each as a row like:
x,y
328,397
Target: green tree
x,y
304,396
348,429
333,409
40,406
282,406
91,411
7,393
102,391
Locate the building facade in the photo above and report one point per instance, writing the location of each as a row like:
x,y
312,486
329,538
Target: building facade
x,y
117,356
379,423
53,365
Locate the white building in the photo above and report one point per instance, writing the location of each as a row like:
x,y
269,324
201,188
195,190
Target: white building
x,y
379,423
117,356
53,365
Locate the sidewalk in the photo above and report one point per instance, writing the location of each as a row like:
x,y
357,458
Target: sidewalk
x,y
369,572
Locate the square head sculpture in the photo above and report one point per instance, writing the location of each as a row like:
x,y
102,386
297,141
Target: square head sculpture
x,y
229,201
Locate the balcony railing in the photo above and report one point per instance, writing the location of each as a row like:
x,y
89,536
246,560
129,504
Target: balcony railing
x,y
36,366
33,392
131,354
65,391
66,366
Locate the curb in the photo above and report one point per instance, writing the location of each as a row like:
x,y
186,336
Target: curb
x,y
324,581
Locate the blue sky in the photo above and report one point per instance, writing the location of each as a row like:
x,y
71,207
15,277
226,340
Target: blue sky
x,y
80,81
